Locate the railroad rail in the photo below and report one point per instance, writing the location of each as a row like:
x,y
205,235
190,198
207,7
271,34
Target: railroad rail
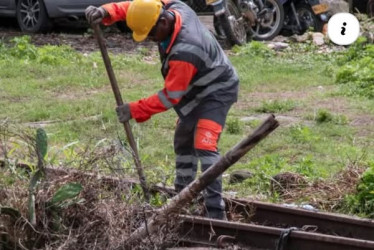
x,y
198,231
284,217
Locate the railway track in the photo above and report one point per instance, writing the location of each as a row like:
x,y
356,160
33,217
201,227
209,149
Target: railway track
x,y
198,231
272,226
269,214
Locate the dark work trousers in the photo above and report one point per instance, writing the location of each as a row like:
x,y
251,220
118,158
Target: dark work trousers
x,y
196,138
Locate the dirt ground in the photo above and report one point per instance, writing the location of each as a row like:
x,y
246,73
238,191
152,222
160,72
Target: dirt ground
x,y
81,38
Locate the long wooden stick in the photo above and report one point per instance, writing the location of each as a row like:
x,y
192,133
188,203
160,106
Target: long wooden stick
x,y
117,95
193,189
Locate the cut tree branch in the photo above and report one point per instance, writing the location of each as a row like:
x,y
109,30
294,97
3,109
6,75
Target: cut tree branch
x,y
194,188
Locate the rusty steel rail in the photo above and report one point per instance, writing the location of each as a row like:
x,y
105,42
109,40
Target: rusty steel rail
x,y
327,223
197,231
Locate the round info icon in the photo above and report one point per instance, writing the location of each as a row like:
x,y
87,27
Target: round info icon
x,y
343,29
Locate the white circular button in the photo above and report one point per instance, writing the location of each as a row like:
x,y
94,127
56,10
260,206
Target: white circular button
x,y
343,28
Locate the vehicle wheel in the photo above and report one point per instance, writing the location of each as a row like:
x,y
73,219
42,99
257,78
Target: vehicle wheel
x,y
308,19
271,21
370,8
230,25
32,16
122,26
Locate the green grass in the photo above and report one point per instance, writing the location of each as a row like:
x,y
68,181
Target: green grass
x,y
73,92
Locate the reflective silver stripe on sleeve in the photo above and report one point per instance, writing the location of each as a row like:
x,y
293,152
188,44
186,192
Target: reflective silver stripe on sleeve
x,y
186,159
185,172
210,89
209,160
175,94
164,100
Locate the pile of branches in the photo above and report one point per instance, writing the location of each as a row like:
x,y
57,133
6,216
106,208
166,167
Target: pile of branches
x,y
42,208
100,217
326,195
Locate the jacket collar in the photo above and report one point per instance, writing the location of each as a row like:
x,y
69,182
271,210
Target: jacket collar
x,y
177,28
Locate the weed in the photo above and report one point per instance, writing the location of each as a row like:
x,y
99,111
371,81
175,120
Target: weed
x,y
357,70
302,134
254,48
306,166
234,126
23,49
324,116
57,55
363,201
276,106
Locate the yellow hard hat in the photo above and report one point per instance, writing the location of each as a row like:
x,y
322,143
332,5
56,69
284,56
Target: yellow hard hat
x,y
142,15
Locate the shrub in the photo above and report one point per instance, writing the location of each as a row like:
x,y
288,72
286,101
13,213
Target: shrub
x,y
234,126
276,106
357,70
23,49
56,55
363,201
323,116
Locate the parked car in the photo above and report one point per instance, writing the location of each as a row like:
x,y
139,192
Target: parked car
x,y
38,15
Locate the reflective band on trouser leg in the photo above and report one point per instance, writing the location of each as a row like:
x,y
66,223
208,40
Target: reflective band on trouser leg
x,y
186,162
213,193
186,170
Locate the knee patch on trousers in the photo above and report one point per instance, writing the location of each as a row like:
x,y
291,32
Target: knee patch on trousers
x,y
207,135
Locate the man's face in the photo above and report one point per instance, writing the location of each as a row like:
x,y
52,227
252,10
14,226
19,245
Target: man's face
x,y
160,31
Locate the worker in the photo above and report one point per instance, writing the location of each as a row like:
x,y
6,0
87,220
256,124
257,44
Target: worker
x,y
200,84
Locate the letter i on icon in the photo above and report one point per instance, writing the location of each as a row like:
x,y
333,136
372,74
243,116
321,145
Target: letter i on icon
x,y
343,28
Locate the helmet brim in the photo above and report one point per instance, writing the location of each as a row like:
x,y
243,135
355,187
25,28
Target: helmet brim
x,y
139,37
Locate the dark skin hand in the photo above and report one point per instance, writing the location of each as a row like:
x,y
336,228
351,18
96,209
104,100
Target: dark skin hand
x,y
163,28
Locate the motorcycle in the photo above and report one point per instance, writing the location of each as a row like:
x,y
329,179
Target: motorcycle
x,y
237,20
251,19
227,18
263,19
303,15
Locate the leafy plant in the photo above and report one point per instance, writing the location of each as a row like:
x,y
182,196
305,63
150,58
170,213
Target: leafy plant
x,y
157,200
363,201
302,134
324,116
254,48
234,126
23,49
306,166
41,151
276,106
65,193
57,55
357,70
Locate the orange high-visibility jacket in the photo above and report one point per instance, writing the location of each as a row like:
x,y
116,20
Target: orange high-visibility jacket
x,y
194,66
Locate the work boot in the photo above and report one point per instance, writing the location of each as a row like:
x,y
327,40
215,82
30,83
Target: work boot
x,y
217,214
